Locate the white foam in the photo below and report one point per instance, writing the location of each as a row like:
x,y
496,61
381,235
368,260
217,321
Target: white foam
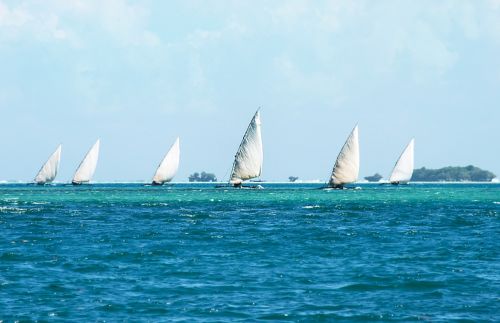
x,y
311,207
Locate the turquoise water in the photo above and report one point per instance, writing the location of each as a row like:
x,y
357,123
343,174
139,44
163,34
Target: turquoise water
x,y
285,253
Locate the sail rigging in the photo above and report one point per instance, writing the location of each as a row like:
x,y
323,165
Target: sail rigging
x,y
168,166
346,168
403,170
88,165
48,172
249,157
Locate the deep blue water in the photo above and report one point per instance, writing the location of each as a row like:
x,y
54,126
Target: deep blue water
x,y
285,253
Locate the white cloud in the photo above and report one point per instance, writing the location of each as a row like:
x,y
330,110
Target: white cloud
x,y
290,13
381,33
305,44
199,38
305,86
70,20
14,17
124,21
495,4
429,52
21,20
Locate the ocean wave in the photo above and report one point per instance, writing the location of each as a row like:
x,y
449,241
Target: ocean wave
x,y
378,254
311,206
12,209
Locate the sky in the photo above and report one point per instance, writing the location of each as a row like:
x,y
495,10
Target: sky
x,y
137,74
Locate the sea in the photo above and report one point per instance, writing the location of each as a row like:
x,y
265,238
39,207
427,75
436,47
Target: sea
x,y
285,253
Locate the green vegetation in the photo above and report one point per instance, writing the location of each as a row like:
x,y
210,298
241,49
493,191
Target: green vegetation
x,y
452,174
374,178
204,177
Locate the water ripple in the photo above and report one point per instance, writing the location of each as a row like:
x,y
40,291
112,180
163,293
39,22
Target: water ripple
x,y
135,253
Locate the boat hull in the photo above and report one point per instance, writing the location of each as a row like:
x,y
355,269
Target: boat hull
x,y
241,187
399,183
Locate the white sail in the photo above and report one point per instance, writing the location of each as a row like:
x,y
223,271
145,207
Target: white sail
x,y
403,170
48,172
169,165
87,167
346,167
248,160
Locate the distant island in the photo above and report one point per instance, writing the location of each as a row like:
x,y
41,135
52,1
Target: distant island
x,y
452,174
203,177
374,178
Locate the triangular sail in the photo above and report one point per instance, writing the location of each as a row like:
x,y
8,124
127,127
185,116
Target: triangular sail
x,y
346,167
48,172
169,165
248,160
403,170
88,165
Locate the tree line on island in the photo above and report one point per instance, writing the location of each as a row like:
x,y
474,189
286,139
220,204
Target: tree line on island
x,y
456,174
445,174
203,177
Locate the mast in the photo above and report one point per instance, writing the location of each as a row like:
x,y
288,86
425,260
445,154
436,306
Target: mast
x,y
249,157
403,169
88,165
168,166
49,170
346,168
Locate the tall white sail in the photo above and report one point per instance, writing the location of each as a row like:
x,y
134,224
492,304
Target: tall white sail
x,y
87,167
403,170
168,166
48,172
248,160
346,167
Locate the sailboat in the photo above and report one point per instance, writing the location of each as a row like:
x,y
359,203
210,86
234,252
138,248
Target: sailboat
x,y
346,168
168,166
403,170
249,157
48,172
88,165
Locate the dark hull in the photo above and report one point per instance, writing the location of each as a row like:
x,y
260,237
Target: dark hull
x,y
332,187
43,184
254,187
340,187
394,183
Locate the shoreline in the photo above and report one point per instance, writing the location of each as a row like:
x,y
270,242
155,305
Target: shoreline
x,y
223,183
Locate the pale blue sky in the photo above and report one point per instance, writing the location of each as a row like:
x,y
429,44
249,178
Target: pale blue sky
x,y
138,73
